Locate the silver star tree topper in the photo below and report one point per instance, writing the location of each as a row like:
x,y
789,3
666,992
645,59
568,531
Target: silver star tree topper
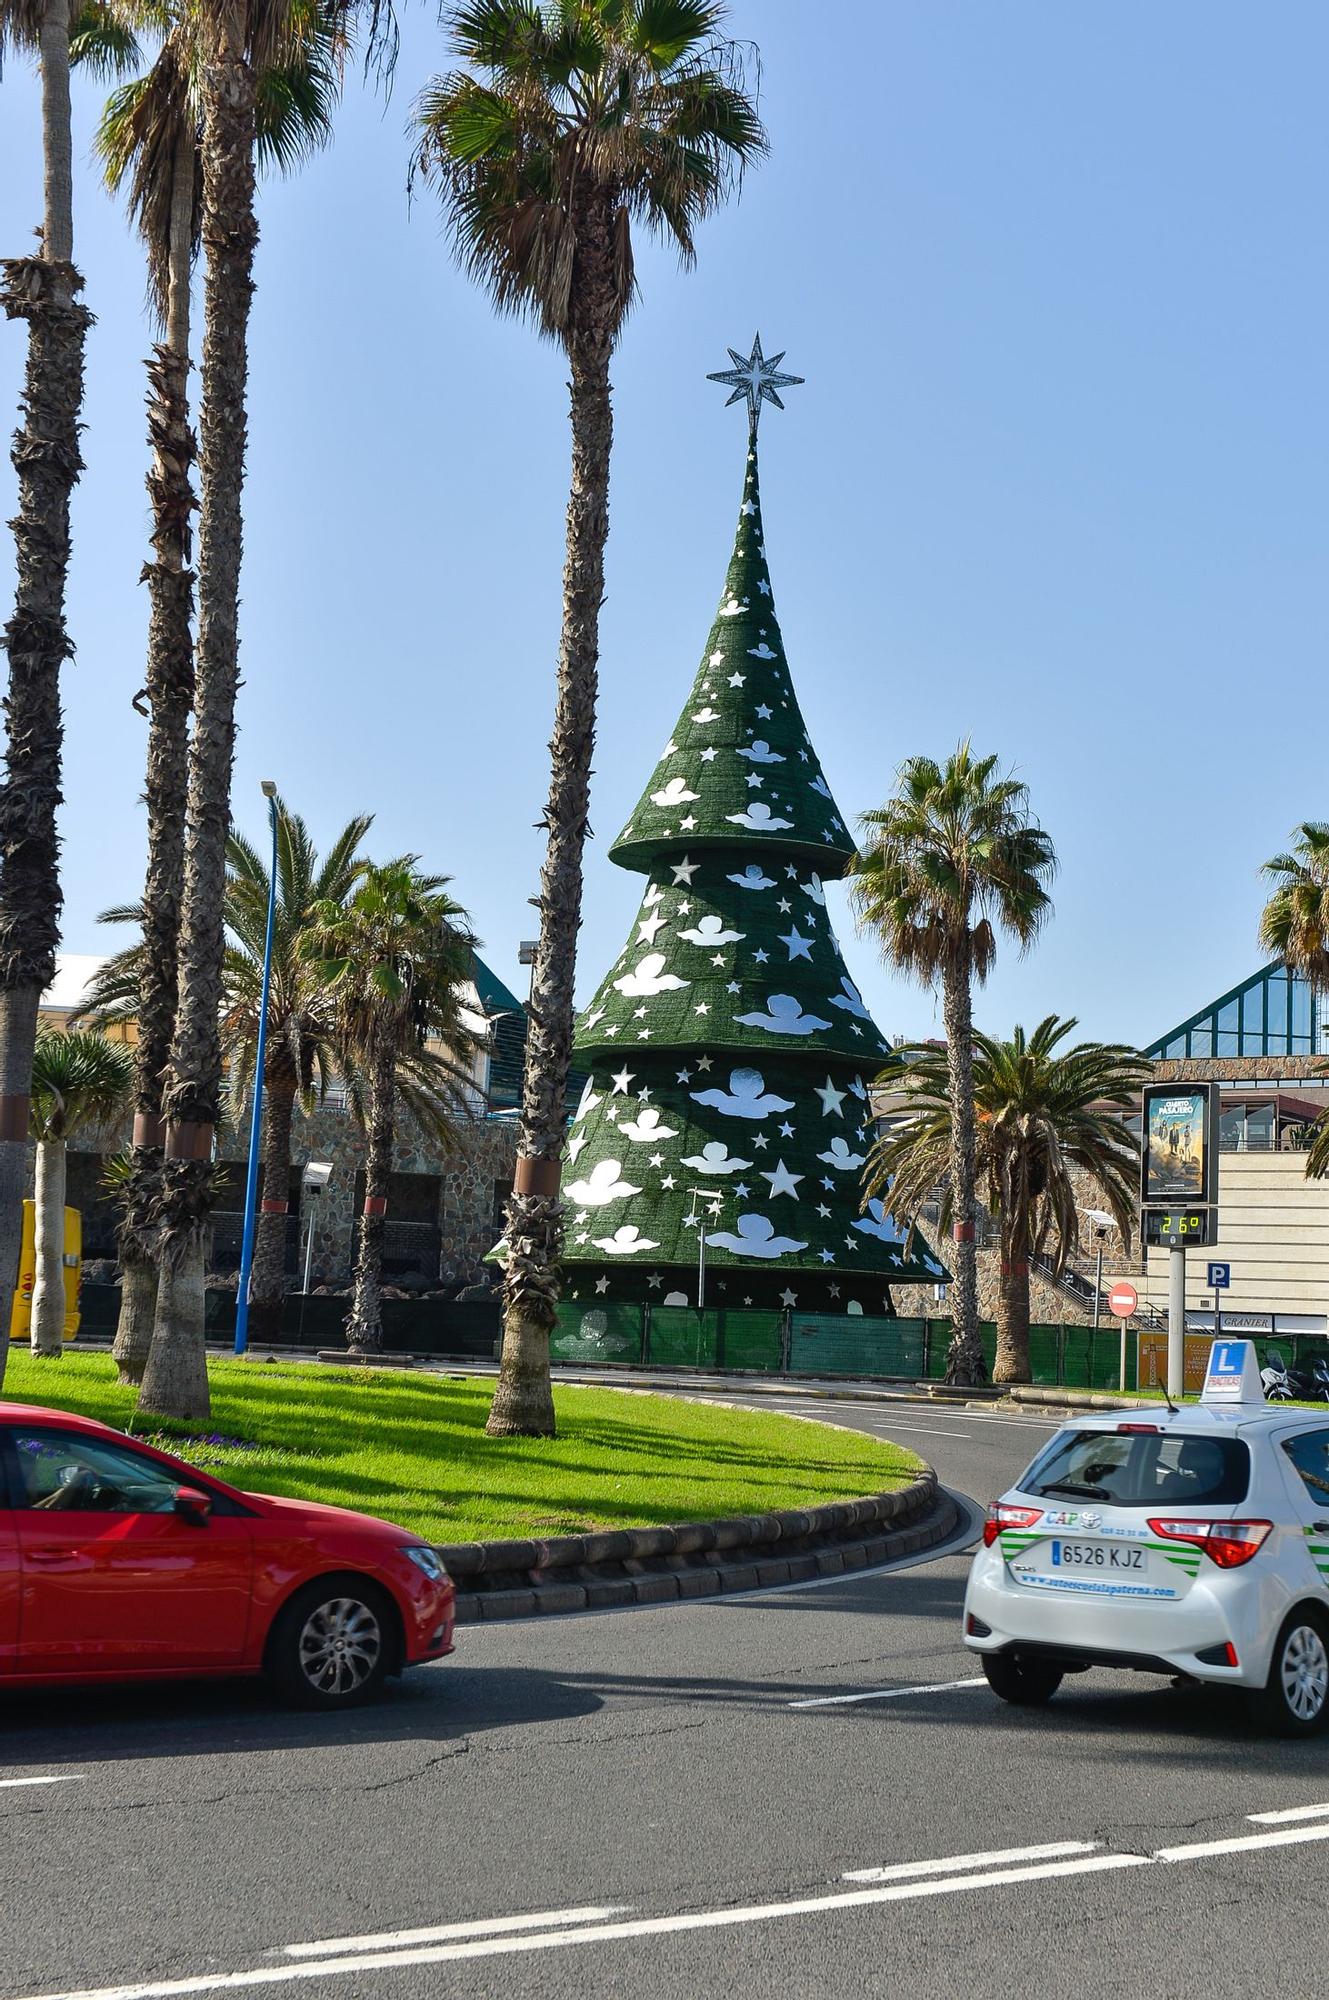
x,y
757,379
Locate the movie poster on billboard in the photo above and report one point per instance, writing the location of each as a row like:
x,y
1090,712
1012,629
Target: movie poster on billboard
x,y
1175,1145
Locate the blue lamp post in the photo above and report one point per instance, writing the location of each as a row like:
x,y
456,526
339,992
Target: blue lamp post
x,y
269,790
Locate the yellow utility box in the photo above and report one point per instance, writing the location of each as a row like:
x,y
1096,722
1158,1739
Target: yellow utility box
x,y
20,1319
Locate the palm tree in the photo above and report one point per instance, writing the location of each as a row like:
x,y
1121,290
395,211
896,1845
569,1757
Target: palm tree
x,y
1044,1114
237,45
570,123
393,961
148,141
1294,923
300,1053
954,857
299,1048
42,289
78,1080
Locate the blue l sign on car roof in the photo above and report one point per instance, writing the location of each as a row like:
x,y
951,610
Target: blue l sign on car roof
x,y
1233,1375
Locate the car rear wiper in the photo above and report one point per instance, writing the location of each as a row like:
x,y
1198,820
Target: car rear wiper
x,y
1077,1487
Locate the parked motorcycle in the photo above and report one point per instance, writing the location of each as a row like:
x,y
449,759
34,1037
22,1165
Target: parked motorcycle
x,y
1305,1384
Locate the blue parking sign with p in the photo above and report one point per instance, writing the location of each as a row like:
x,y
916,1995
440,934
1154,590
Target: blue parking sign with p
x,y
1220,1277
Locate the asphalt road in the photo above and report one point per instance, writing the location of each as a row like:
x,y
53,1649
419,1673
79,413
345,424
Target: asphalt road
x,y
797,1792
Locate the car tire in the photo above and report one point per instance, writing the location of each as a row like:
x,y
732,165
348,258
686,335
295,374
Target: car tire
x,y
1294,1701
332,1645
1028,1683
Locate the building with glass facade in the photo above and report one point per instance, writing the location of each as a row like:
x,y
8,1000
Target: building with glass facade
x,y
1274,1013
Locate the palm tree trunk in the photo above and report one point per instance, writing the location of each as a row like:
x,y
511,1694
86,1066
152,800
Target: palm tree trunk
x,y
964,1359
42,290
267,1281
170,690
48,1294
138,1313
175,1381
1012,1359
191,1096
364,1328
523,1404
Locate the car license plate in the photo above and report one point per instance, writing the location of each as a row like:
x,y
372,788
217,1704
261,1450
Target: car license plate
x,y
1094,1569
1095,1555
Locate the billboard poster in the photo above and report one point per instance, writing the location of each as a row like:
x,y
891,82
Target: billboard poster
x,y
1176,1145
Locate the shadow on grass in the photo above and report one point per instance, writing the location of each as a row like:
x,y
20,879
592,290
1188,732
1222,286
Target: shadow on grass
x,y
414,1450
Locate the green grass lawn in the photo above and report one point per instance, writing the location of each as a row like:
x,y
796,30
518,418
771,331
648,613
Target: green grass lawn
x,y
412,1448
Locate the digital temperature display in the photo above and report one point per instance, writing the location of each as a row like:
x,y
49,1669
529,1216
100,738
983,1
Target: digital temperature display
x,y
1177,1228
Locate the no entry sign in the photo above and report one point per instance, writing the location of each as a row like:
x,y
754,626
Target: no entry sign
x,y
1122,1300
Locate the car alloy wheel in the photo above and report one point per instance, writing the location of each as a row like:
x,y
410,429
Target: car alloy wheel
x,y
341,1644
1303,1670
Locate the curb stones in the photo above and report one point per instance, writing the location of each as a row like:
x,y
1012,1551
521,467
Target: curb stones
x,y
624,1566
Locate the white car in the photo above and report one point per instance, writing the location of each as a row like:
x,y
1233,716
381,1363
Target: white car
x,y
1189,1542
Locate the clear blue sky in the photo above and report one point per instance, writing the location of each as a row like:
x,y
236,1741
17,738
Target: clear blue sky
x,y
1056,278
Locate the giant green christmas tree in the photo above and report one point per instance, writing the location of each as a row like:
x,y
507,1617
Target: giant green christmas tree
x,y
728,1050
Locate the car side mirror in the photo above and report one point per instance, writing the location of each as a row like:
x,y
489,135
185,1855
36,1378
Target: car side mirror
x,y
192,1506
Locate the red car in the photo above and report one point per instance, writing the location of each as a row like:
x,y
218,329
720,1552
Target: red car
x,y
120,1562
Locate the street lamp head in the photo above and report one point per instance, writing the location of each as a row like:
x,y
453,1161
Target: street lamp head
x,y
268,787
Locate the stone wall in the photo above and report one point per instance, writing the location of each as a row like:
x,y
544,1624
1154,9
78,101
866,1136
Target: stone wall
x,y
454,1217
1049,1304
1239,1069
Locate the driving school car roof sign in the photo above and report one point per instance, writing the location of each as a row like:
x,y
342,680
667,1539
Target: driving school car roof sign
x,y
1233,1374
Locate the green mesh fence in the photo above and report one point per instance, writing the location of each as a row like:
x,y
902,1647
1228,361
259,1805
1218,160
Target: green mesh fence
x,y
854,1344
848,1345
748,1339
940,1340
1045,1355
680,1337
596,1333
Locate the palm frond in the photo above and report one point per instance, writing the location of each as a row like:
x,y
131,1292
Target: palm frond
x,y
954,859
79,1079
562,127
1045,1114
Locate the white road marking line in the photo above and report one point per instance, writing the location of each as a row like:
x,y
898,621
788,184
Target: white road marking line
x,y
962,1415
437,1933
694,1920
950,1864
888,1694
58,1778
924,1428
1027,1423
1288,1836
1288,1813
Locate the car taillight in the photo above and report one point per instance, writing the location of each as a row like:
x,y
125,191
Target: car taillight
x,y
1227,1543
1001,1516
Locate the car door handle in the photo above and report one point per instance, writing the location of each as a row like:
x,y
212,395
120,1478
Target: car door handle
x,y
48,1558
1320,1527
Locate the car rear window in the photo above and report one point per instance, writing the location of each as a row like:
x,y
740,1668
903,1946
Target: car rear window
x,y
1142,1469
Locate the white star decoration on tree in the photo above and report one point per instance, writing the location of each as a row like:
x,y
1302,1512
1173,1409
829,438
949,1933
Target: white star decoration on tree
x,y
782,1181
831,1098
755,378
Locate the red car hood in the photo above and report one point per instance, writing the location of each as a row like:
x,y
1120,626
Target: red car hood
x,y
318,1514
